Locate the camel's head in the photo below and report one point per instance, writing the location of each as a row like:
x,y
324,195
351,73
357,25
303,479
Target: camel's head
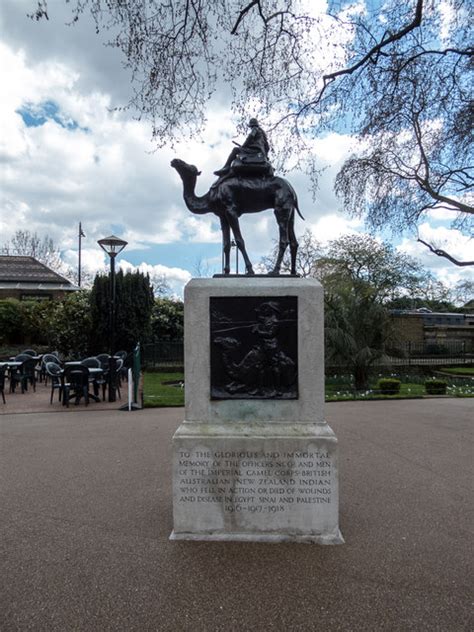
x,y
184,169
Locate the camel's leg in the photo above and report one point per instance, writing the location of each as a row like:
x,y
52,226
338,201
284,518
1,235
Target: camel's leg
x,y
226,243
239,240
293,241
282,217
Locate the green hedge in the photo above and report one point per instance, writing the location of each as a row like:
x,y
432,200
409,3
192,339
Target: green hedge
x,y
436,387
388,386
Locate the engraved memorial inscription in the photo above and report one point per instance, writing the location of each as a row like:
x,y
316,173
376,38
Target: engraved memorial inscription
x,y
255,482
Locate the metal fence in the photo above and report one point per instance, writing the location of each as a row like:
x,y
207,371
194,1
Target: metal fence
x,y
170,353
163,354
413,354
434,353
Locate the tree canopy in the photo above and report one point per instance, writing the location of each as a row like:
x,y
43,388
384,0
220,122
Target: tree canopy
x,y
396,75
134,305
167,320
362,259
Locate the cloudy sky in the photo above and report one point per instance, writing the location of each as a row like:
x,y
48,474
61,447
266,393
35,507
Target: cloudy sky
x,y
67,157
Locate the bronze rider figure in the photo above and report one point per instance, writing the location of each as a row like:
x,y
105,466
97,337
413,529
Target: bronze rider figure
x,y
256,142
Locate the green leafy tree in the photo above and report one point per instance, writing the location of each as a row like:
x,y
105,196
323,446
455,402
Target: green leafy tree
x,y
37,317
416,302
28,322
357,329
167,320
361,257
70,325
365,260
134,304
11,321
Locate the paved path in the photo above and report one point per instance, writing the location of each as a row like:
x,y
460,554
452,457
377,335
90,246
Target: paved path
x,y
39,401
86,513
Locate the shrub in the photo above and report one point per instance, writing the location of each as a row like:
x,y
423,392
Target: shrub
x,y
436,387
11,321
71,325
388,386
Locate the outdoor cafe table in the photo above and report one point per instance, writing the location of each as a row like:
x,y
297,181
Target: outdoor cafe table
x,y
11,364
93,372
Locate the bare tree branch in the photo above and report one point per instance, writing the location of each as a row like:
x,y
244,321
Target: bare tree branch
x,y
442,253
242,14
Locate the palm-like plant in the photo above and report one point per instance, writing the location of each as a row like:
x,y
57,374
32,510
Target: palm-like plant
x,y
357,329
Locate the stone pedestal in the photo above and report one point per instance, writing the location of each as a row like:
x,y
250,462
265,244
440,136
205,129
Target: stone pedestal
x,y
254,459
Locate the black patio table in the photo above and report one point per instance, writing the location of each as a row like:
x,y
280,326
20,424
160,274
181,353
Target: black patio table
x,y
93,372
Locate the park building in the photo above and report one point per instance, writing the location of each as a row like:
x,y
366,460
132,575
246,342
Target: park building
x,y
27,279
422,330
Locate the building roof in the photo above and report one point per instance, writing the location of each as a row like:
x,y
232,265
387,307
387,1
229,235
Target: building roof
x,y
20,271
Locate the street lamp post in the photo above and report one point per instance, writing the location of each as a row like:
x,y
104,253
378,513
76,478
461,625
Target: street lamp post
x,y
80,235
112,246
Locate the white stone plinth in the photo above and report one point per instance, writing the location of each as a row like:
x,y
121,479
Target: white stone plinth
x,y
255,469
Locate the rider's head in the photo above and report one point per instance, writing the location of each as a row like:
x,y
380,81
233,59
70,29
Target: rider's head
x,y
253,122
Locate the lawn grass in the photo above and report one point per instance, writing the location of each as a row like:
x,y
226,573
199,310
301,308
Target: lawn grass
x,y
459,370
156,393
409,390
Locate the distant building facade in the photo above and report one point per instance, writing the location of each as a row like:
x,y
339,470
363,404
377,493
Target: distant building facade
x,y
25,278
434,330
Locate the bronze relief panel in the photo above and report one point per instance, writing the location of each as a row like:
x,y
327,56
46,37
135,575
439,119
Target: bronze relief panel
x,y
254,347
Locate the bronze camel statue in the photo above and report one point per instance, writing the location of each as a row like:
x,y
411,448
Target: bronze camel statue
x,y
235,196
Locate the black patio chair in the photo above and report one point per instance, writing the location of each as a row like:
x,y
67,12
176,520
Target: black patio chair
x,y
123,355
54,371
14,371
104,360
104,382
75,384
24,374
91,362
30,352
48,357
21,357
2,382
118,382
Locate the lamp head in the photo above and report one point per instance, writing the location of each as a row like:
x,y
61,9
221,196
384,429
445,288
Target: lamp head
x,y
112,245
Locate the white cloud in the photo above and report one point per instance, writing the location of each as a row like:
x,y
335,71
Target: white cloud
x,y
104,173
333,226
92,259
176,278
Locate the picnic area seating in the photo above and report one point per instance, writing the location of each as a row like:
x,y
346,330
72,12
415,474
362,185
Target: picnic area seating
x,y
23,374
75,384
54,371
82,380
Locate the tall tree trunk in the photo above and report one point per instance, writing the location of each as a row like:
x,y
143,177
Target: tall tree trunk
x,y
361,377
